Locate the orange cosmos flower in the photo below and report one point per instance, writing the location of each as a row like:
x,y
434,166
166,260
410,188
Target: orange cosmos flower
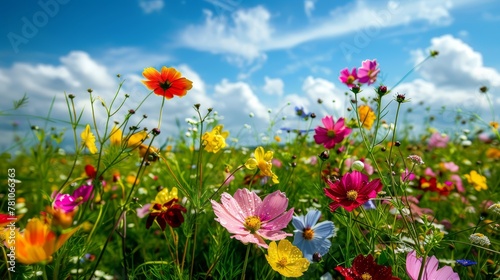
x,y
167,83
37,243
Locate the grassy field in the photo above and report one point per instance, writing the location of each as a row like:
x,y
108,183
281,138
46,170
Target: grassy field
x,y
353,198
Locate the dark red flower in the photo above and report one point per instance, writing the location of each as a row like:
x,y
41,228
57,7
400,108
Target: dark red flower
x,y
366,268
352,190
169,213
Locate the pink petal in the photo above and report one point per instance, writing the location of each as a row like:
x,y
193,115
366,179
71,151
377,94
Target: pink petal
x,y
226,218
280,222
273,205
328,122
274,235
251,238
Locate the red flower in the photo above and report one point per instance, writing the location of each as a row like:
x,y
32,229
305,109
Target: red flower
x,y
167,83
434,186
168,213
352,190
365,268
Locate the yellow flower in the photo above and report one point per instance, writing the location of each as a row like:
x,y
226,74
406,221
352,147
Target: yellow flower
x,y
88,140
116,136
262,161
277,138
38,242
286,259
477,180
494,125
165,196
366,116
215,140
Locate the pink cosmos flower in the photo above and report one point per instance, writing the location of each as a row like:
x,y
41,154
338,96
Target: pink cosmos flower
x,y
455,178
431,270
348,78
68,202
407,175
368,72
450,166
251,219
352,190
438,140
332,133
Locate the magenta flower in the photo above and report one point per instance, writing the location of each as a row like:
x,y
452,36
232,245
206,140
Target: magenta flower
x,y
430,271
348,78
252,220
68,202
352,190
368,72
407,175
332,133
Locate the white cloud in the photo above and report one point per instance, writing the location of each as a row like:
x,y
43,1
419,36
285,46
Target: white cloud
x,y
237,100
450,84
456,65
240,36
248,34
309,6
273,86
149,6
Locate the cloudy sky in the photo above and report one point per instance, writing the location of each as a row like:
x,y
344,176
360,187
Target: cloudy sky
x,y
246,57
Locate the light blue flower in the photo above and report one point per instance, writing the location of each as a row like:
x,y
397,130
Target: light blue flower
x,y
312,237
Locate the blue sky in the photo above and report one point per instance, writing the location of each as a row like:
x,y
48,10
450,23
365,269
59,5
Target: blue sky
x,y
247,56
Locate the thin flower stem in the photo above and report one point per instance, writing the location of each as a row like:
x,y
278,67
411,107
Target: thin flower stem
x,y
161,112
246,262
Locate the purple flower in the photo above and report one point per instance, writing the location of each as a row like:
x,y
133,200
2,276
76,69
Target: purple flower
x,y
368,72
68,202
466,262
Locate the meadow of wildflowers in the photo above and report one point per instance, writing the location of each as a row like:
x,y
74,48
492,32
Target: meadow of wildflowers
x,y
352,198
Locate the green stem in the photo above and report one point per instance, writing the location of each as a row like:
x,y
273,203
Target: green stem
x,y
245,263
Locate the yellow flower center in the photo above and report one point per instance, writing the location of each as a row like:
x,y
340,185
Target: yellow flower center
x,y
308,234
282,263
330,134
366,276
252,223
350,79
352,195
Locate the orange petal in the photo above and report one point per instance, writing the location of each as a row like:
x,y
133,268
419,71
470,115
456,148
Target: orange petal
x,y
169,74
151,74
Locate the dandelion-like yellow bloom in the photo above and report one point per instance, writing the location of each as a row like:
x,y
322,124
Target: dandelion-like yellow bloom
x,y
88,140
215,140
477,180
494,125
38,242
262,161
286,259
366,116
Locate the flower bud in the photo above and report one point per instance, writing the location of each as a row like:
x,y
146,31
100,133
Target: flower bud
x,y
358,165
